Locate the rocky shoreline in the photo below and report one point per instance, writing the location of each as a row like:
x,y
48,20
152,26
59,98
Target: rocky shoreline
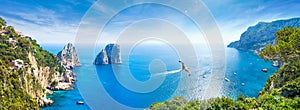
x,y
69,59
30,73
59,81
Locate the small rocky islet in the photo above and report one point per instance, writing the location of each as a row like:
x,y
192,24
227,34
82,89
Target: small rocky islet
x,y
68,56
110,55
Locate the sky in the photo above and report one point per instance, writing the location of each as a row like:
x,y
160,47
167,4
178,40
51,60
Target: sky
x,y
57,21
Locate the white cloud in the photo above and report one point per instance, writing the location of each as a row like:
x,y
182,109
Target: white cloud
x,y
45,34
43,24
41,16
255,10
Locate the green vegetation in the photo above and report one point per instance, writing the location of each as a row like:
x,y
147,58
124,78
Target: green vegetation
x,y
18,88
264,102
281,92
287,79
2,22
12,94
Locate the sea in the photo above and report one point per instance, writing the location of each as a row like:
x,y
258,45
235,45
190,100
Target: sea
x,y
151,73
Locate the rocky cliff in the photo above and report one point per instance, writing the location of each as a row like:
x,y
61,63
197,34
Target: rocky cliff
x,y
101,58
28,72
257,37
110,55
68,57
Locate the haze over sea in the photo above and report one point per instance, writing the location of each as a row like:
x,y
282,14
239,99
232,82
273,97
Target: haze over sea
x,y
241,67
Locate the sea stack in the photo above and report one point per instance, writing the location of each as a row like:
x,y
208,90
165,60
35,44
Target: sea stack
x,y
110,55
68,57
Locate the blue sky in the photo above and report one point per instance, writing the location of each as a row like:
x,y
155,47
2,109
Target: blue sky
x,y
56,21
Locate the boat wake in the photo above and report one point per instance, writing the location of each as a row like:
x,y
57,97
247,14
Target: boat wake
x,y
167,72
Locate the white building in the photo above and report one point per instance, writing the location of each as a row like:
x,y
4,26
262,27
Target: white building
x,y
12,41
18,63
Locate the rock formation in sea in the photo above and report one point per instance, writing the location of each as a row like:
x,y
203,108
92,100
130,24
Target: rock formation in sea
x,y
257,37
110,55
101,58
68,57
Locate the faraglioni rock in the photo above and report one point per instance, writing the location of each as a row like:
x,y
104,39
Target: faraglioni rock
x,y
68,57
101,58
110,55
257,37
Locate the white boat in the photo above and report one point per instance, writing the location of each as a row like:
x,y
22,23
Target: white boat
x,y
79,102
226,79
264,70
243,84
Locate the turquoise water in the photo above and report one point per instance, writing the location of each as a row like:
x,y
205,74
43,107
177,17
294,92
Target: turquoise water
x,y
245,67
100,89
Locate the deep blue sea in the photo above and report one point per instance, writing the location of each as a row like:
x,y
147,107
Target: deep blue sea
x,y
155,70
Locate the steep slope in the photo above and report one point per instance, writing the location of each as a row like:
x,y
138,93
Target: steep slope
x,y
257,37
286,81
27,71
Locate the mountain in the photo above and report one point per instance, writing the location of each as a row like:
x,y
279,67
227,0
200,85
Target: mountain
x,y
68,57
257,37
110,55
28,72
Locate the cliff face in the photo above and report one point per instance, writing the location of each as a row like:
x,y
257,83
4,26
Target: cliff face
x,y
110,55
42,75
257,37
28,72
113,53
101,58
68,57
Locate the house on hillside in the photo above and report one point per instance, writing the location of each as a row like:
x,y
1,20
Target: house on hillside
x,y
18,63
3,27
12,41
19,33
3,32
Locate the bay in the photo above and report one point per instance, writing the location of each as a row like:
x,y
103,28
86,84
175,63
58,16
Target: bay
x,y
241,67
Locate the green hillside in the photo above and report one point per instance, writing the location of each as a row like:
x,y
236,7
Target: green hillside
x,y
19,88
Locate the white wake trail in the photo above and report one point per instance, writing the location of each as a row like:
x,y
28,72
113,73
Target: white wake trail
x,y
167,72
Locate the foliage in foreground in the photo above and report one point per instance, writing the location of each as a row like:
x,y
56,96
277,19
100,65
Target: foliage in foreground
x,y
265,102
281,92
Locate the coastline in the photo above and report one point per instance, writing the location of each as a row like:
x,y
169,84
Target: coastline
x,y
67,94
239,64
